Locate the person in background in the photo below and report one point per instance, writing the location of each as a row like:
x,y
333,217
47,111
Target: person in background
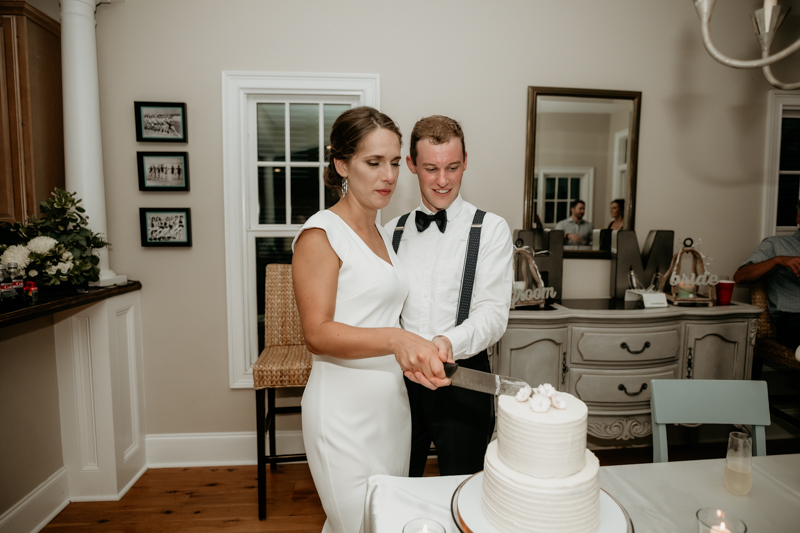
x,y
432,242
777,262
617,214
576,230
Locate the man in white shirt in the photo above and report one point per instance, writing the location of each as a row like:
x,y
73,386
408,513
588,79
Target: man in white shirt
x,y
432,245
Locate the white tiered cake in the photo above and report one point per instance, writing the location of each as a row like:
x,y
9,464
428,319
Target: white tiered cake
x,y
538,474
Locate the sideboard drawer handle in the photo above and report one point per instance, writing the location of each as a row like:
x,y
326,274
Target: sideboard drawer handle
x,y
623,389
625,346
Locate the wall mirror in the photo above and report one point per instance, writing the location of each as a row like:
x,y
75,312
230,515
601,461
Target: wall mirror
x,y
581,144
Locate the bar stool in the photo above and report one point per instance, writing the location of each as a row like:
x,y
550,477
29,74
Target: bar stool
x,y
285,362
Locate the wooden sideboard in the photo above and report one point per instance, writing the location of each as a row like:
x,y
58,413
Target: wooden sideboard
x,y
605,352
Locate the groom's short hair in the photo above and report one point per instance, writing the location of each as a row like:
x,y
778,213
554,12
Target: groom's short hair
x,y
437,129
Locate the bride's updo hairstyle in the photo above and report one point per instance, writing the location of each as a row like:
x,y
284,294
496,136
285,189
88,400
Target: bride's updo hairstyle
x,y
346,135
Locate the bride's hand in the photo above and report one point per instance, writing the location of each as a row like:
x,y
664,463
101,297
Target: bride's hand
x,y
433,384
419,359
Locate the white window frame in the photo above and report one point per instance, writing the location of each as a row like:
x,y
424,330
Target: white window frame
x,y
779,102
238,90
586,174
619,184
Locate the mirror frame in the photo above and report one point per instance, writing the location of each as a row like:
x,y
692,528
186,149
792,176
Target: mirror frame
x,y
530,155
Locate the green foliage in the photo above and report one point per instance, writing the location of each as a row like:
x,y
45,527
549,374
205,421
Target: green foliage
x,y
71,258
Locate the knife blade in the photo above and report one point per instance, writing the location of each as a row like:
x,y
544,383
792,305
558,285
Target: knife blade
x,y
482,381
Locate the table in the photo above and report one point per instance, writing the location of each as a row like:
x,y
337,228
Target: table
x,y
658,497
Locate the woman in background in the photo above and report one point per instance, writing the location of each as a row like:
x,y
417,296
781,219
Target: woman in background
x,y
617,214
350,289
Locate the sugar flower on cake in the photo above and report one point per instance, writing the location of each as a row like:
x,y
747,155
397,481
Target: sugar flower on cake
x,y
524,393
558,401
540,403
545,389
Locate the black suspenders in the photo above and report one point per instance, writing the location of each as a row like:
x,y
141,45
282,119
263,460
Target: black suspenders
x,y
470,261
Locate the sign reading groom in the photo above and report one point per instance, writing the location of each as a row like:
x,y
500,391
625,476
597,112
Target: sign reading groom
x,y
458,260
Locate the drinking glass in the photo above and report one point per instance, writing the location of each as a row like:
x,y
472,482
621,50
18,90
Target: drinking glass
x,y
710,520
423,525
738,464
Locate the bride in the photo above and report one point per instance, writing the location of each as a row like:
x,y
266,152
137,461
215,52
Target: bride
x,y
350,289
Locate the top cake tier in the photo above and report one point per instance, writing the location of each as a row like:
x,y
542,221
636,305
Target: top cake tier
x,y
542,445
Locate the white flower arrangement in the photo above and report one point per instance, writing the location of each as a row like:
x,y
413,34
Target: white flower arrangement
x,y
57,248
18,254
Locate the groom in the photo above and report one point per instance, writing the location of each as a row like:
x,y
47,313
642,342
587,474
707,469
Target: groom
x,y
462,300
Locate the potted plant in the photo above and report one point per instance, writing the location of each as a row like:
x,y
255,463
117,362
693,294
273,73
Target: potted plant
x,y
56,250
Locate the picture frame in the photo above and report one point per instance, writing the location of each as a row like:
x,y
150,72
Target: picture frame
x,y
165,226
161,122
163,171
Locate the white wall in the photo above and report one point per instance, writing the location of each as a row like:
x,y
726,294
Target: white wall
x,y
701,140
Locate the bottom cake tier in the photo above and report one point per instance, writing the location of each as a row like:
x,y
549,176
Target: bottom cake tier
x,y
515,502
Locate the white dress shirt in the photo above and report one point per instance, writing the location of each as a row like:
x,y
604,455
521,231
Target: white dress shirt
x,y
434,262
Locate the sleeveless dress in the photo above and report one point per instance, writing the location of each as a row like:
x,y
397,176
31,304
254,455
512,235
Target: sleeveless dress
x,y
355,413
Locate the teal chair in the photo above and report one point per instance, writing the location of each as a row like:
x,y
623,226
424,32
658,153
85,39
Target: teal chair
x,y
708,401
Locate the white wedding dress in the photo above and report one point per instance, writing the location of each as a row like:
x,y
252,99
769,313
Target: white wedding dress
x,y
356,419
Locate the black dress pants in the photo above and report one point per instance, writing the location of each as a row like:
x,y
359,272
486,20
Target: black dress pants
x,y
788,325
459,421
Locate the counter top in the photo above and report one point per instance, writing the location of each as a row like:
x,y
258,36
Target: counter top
x,y
48,305
617,308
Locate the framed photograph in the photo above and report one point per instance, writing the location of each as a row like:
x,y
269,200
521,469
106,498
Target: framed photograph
x,y
161,122
163,171
166,226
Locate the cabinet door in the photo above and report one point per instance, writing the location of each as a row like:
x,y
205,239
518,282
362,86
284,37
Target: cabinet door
x,y
535,355
716,351
11,193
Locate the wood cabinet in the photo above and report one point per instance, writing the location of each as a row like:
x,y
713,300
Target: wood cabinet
x,y
607,357
31,110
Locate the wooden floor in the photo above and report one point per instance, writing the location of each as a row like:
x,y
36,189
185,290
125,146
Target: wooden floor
x,y
225,498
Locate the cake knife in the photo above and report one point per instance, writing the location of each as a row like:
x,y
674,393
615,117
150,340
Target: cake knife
x,y
482,381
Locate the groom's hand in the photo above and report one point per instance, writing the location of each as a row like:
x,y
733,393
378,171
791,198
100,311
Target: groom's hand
x,y
445,348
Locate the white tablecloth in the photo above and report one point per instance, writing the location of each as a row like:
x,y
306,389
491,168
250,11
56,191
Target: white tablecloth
x,y
658,497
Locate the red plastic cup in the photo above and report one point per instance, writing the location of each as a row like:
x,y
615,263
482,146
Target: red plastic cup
x,y
724,291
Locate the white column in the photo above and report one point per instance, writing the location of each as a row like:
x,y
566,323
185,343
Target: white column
x,y
83,145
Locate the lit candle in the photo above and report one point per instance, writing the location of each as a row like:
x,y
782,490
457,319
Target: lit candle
x,y
720,529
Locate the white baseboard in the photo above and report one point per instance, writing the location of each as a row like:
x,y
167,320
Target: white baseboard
x,y
106,498
39,507
170,450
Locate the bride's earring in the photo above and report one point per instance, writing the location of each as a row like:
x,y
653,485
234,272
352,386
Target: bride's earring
x,y
344,187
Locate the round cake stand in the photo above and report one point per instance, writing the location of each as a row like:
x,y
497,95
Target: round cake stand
x,y
469,517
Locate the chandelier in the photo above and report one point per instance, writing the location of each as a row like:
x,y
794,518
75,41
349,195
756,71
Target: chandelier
x,y
766,22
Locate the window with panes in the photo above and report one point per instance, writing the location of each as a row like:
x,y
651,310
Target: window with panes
x,y
287,164
788,172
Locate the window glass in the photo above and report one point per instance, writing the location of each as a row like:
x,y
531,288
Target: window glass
x,y
272,195
330,113
788,193
561,211
305,193
790,144
575,188
304,132
271,125
550,188
563,188
549,213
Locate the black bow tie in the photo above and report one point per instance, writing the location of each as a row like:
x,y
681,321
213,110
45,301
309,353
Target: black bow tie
x,y
423,220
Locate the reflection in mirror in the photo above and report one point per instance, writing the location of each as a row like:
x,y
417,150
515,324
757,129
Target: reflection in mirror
x,y
582,145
